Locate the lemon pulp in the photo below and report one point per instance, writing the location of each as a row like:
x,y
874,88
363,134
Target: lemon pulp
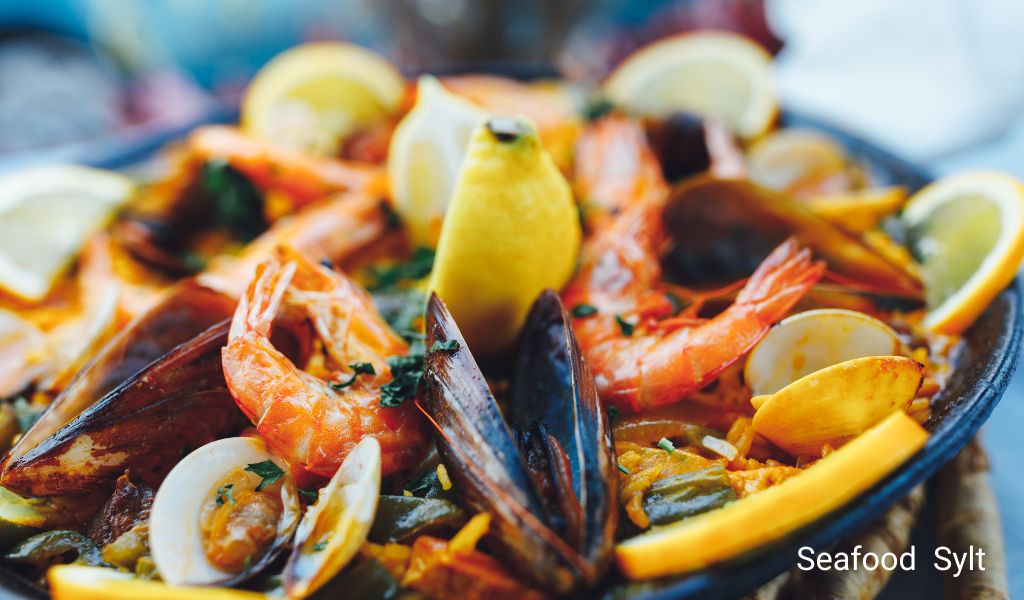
x,y
953,242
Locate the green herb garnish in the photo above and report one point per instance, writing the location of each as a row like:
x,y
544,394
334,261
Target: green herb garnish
x,y
676,302
623,469
319,546
225,492
247,565
309,496
666,445
447,346
625,326
418,266
25,413
269,471
237,204
359,368
407,372
581,311
613,413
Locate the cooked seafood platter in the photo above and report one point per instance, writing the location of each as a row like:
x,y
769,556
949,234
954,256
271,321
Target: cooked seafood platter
x,y
464,336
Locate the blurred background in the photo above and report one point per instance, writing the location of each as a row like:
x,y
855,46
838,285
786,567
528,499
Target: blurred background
x,y
939,82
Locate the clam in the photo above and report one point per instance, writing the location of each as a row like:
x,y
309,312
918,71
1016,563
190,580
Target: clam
x,y
723,228
812,340
334,528
837,403
218,518
549,482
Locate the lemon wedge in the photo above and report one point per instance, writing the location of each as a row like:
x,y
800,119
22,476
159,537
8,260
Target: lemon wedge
x,y
512,230
737,527
968,232
46,215
311,97
715,74
75,582
425,155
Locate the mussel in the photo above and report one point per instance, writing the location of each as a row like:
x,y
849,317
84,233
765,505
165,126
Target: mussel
x,y
153,392
146,423
549,482
185,312
723,228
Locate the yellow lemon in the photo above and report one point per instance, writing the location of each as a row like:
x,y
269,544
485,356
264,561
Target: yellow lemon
x,y
74,582
512,230
425,155
737,527
311,97
968,232
715,74
46,216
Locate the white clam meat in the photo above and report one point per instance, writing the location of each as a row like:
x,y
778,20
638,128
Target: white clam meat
x,y
193,490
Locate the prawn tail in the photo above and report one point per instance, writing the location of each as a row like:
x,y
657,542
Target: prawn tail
x,y
260,304
781,281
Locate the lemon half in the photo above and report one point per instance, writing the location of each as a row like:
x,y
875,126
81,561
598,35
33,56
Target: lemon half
x,y
425,155
715,74
311,97
968,232
46,215
512,230
74,582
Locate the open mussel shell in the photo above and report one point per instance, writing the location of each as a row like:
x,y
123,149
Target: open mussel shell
x,y
490,473
564,432
724,228
147,423
192,490
184,313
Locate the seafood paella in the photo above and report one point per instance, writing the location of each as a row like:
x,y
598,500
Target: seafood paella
x,y
466,336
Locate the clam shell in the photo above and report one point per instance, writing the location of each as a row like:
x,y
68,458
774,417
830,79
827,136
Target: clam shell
x,y
334,528
175,528
835,404
812,340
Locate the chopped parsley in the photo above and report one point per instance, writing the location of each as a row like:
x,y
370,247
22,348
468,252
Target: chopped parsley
x,y
666,445
407,372
447,346
597,107
237,204
319,546
623,469
269,471
581,311
25,413
225,492
359,368
309,496
625,326
247,565
613,413
418,266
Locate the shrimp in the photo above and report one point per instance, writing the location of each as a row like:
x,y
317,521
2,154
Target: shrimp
x,y
301,177
299,414
334,229
615,167
640,354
